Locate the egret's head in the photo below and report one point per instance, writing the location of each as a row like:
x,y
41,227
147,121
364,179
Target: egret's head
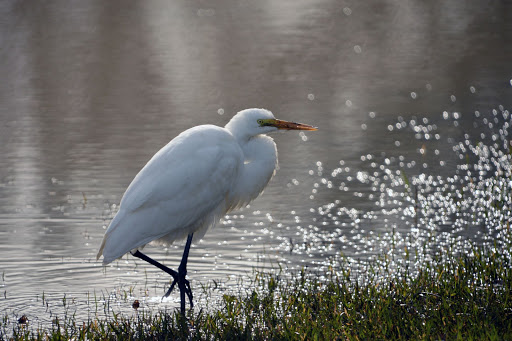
x,y
252,122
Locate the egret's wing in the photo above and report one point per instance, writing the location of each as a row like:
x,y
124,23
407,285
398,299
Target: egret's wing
x,y
177,191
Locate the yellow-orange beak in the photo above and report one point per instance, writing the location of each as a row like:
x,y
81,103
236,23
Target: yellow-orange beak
x,y
285,125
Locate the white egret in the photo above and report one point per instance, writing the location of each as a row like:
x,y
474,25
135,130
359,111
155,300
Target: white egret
x,y
190,184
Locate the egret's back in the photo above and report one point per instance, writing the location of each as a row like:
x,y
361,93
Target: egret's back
x,y
183,189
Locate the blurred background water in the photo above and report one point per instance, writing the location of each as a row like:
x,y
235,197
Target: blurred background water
x,y
91,90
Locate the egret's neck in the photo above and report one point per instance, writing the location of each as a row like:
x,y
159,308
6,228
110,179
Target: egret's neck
x,y
241,134
260,163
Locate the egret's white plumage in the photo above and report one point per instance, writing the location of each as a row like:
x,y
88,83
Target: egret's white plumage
x,y
194,180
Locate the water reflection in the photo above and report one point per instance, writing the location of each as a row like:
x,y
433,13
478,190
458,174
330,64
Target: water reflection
x,y
91,90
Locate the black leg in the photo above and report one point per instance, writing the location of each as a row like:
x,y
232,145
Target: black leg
x,y
183,284
179,277
151,261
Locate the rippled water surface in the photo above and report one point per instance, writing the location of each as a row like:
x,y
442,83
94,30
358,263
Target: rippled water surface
x,y
411,100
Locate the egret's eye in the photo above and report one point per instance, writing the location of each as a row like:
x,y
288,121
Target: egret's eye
x,y
264,123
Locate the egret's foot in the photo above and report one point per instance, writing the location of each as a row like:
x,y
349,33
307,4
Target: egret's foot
x,y
178,276
185,289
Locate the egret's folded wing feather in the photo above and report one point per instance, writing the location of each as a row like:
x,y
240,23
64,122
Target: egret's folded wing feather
x,y
182,188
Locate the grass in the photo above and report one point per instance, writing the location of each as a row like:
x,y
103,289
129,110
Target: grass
x,y
467,297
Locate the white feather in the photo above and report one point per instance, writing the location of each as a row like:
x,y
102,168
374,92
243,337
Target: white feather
x,y
181,189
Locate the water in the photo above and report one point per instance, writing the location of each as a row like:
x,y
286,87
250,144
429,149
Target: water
x,y
91,90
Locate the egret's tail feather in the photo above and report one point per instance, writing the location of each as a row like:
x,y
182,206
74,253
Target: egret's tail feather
x,y
100,252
